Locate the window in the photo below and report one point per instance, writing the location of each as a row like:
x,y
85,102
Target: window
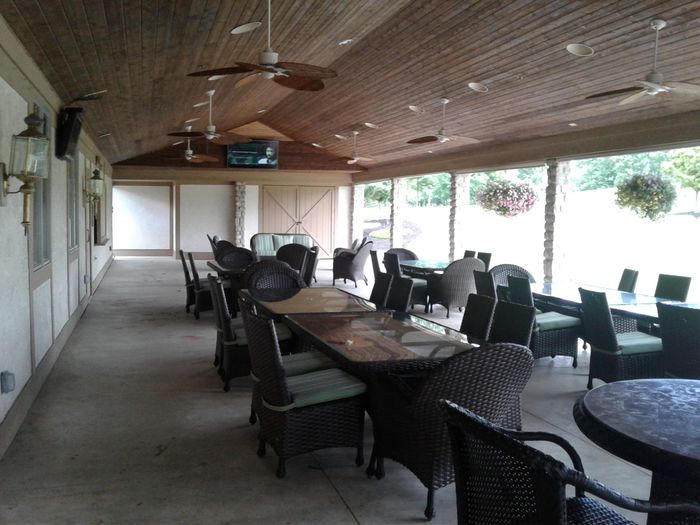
x,y
41,219
73,205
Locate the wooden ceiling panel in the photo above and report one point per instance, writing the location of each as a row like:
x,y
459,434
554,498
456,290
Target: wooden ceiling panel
x,y
403,52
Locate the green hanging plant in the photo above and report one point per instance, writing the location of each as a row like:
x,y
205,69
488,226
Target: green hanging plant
x,y
506,198
649,196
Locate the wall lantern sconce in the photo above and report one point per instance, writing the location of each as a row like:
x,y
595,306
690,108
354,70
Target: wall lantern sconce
x,y
95,185
29,162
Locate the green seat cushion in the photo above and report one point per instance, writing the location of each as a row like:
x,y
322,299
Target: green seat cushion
x,y
305,362
264,245
283,334
638,343
304,240
281,240
555,321
322,386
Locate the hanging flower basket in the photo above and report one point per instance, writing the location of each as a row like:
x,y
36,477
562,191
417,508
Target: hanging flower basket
x,y
506,198
649,196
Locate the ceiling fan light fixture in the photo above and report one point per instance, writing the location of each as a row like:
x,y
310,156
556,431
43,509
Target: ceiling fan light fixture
x,y
371,125
580,50
245,28
478,87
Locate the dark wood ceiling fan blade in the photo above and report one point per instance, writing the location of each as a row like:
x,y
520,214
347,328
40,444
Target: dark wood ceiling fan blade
x,y
255,67
226,138
233,70
300,83
189,134
423,140
612,93
298,69
205,158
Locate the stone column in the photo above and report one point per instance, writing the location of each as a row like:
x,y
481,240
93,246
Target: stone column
x,y
557,175
239,214
459,201
357,207
398,206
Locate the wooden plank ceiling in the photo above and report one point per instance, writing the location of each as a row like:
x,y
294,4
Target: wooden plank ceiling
x,y
403,52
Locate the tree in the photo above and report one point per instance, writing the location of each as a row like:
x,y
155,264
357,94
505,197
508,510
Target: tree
x,y
377,194
607,172
684,166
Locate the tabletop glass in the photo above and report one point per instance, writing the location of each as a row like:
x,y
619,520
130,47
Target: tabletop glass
x,y
424,264
569,292
376,337
308,300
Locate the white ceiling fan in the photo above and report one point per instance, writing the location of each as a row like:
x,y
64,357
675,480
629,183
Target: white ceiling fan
x,y
210,133
190,155
441,136
653,84
354,157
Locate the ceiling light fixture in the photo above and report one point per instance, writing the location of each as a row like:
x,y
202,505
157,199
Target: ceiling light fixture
x,y
261,111
478,87
245,28
104,135
345,42
573,124
191,120
216,77
339,137
95,95
200,104
580,50
316,145
371,125
415,109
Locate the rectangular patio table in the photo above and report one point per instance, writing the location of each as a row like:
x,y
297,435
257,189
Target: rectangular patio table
x,y
316,300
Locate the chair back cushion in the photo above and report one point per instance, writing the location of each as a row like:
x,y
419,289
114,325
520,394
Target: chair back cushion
x,y
267,244
512,323
628,280
674,287
477,317
680,333
597,321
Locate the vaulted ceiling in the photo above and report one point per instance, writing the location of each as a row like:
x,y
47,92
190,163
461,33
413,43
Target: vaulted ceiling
x,y
403,52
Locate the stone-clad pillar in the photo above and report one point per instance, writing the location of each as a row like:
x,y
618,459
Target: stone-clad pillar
x,y
357,207
398,206
239,214
557,175
459,201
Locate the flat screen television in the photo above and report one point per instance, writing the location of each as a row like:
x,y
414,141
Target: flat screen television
x,y
70,121
254,154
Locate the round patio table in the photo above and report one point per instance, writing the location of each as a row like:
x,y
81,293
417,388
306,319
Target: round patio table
x,y
653,423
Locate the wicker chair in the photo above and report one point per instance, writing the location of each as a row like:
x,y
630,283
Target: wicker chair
x,y
628,280
305,412
235,258
356,245
376,270
615,357
419,290
189,285
477,318
403,253
469,253
408,424
452,287
400,294
501,272
351,265
554,333
512,323
680,335
202,297
499,479
212,243
271,274
484,283
311,264
674,287
295,255
486,257
380,290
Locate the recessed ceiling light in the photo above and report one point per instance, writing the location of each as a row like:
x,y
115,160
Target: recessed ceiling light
x,y
216,77
245,28
103,135
345,42
339,137
580,50
573,124
477,86
371,126
430,151
316,145
415,109
199,104
191,120
261,110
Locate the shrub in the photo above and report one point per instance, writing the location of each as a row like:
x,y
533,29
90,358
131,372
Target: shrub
x,y
649,196
506,198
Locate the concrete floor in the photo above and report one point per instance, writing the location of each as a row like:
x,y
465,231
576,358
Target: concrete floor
x,y
132,426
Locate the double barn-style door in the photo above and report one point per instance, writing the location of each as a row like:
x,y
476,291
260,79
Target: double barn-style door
x,y
301,209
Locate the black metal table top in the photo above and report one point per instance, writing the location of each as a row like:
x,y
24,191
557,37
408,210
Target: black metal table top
x,y
654,423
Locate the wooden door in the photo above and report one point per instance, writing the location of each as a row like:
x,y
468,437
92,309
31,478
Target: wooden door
x,y
301,209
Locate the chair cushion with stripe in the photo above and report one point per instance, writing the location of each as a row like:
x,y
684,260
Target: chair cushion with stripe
x,y
638,343
283,334
305,362
319,387
555,321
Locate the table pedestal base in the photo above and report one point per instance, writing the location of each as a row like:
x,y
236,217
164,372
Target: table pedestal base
x,y
666,489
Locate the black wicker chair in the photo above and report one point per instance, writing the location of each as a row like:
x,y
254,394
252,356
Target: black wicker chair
x,y
554,333
400,294
501,272
351,265
304,412
419,290
295,255
483,281
380,290
469,253
271,274
512,323
202,297
477,318
628,280
189,285
235,258
486,257
674,287
407,421
212,243
376,270
404,254
311,264
501,480
615,357
680,335
453,286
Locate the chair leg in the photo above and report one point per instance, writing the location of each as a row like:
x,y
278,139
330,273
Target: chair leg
x,y
448,312
261,448
372,467
360,456
281,468
575,363
196,312
430,507
253,418
590,381
227,385
379,474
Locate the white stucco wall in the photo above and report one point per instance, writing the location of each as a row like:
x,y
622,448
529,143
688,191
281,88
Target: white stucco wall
x,y
205,209
252,212
342,220
42,320
59,243
142,217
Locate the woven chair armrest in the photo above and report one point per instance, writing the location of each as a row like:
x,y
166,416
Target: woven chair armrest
x,y
595,487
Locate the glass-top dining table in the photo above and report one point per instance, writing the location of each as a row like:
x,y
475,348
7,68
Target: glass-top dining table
x,y
423,266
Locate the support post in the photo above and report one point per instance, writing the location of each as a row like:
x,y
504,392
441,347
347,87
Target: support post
x,y
459,202
239,214
398,207
357,207
557,175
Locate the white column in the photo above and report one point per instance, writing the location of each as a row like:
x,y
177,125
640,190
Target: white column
x,y
398,203
357,207
459,201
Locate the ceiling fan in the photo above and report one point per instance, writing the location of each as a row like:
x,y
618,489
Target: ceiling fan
x,y
440,136
653,83
210,133
191,156
354,158
293,75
